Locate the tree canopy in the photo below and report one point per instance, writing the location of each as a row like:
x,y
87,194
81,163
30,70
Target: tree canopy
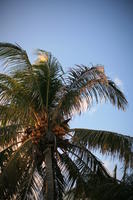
x,y
41,157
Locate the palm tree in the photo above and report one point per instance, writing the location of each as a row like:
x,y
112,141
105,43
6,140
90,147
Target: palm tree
x,y
41,157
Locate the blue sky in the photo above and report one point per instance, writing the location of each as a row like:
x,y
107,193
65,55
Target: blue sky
x,y
79,32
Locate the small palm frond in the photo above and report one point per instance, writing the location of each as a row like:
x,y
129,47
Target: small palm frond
x,y
88,161
30,82
41,169
50,77
14,56
8,134
11,87
71,171
14,169
79,166
19,96
83,157
31,184
84,85
14,98
107,142
58,180
14,114
115,95
53,63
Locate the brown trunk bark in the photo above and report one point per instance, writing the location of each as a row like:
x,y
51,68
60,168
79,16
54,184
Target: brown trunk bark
x,y
49,175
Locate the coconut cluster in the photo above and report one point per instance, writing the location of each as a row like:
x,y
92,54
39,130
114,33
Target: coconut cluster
x,y
41,128
58,130
38,131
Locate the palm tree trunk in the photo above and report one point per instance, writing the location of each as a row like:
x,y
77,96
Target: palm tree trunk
x,y
49,175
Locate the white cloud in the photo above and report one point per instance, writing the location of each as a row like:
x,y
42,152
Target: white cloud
x,y
118,82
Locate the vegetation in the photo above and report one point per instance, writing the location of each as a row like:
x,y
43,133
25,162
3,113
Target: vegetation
x,y
41,157
113,189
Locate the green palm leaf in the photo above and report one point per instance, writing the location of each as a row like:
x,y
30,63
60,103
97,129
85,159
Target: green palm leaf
x,y
86,84
14,169
50,77
72,171
79,165
107,142
14,56
30,184
9,134
87,160
60,183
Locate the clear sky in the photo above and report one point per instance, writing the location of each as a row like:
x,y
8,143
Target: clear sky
x,y
79,32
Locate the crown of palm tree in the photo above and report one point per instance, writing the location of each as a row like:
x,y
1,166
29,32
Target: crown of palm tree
x,y
41,157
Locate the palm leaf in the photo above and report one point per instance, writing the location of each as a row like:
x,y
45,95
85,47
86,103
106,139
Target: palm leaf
x,y
79,166
14,56
13,98
9,134
88,161
71,171
110,190
58,180
20,95
83,157
50,77
13,171
107,142
31,184
30,82
5,155
86,84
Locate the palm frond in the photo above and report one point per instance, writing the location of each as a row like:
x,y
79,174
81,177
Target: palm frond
x,y
42,172
18,96
110,190
71,172
14,114
88,161
31,84
9,134
50,76
14,56
59,180
31,185
86,84
115,95
53,63
84,157
13,171
13,98
107,142
5,155
79,167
